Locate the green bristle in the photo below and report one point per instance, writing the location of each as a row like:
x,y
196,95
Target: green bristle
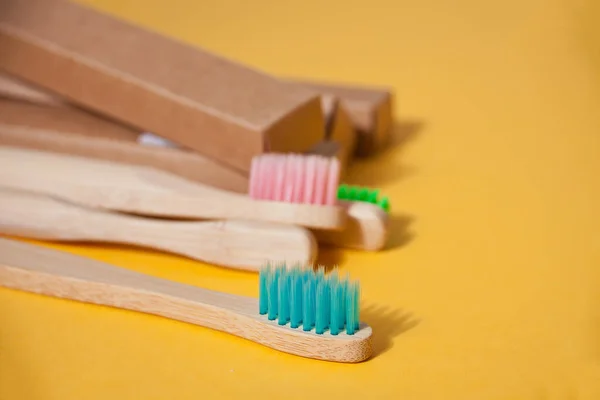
x,y
284,298
373,196
384,204
352,193
308,299
342,193
357,193
296,300
363,194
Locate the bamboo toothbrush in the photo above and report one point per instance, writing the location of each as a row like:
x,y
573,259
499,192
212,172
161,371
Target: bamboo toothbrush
x,y
151,192
235,244
367,227
300,312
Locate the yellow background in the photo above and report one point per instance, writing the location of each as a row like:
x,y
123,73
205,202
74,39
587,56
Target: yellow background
x,y
490,288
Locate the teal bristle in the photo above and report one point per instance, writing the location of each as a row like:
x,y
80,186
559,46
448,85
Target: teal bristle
x,y
296,301
351,311
357,193
320,274
308,304
263,296
327,304
284,298
321,309
334,326
342,300
309,300
356,307
272,286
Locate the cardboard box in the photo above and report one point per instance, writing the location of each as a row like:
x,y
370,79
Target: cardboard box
x,y
369,108
218,108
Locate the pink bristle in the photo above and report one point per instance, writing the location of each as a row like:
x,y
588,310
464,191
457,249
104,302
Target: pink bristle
x,y
294,178
259,182
310,169
251,181
290,175
333,181
320,181
298,178
280,176
253,184
268,177
256,182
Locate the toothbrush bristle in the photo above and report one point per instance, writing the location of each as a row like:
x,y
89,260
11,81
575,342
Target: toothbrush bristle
x,y
309,300
294,178
357,193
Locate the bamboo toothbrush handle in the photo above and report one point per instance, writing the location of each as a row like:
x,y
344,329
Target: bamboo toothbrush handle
x,y
367,228
148,191
237,244
58,274
38,217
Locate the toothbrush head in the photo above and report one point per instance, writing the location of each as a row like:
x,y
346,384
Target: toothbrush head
x,y
295,178
302,298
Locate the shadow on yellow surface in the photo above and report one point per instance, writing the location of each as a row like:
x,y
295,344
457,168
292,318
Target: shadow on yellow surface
x,y
400,232
368,171
387,323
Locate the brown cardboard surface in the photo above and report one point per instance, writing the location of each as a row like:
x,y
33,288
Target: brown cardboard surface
x,y
342,131
216,107
13,88
73,131
341,135
370,110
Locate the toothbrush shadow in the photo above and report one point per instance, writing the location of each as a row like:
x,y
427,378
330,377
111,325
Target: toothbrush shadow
x,y
399,231
384,166
387,323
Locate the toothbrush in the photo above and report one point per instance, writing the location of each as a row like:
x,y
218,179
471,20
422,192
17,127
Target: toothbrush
x,y
301,312
244,245
367,226
147,191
